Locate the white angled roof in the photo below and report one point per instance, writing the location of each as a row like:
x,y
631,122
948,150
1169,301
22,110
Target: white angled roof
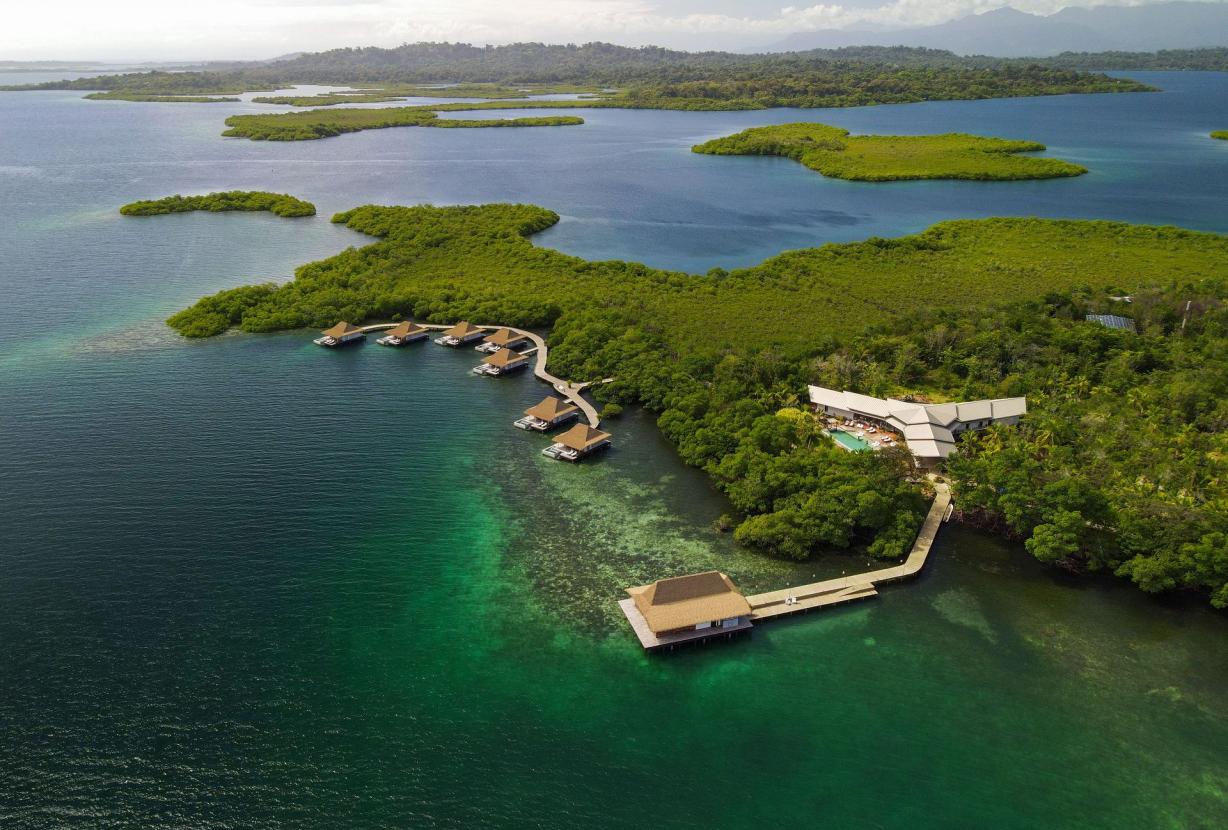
x,y
823,396
876,407
974,410
930,449
927,432
943,413
1010,407
926,427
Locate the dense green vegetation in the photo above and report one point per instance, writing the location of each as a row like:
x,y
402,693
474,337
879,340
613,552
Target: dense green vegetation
x,y
398,92
307,125
969,153
722,358
159,82
123,95
1220,134
650,77
325,99
1122,461
1214,59
877,158
279,204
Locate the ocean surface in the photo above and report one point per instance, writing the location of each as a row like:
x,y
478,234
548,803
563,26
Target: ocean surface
x,y
248,582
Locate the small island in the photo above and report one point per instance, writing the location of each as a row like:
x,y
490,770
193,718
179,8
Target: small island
x,y
1221,134
833,152
279,204
308,125
151,98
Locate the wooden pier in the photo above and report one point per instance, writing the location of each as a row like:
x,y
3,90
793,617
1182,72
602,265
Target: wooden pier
x,y
844,589
571,391
801,598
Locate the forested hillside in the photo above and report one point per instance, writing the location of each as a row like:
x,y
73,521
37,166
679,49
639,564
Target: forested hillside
x,y
841,77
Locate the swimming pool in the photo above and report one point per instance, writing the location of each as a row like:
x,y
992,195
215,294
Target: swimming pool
x,y
849,441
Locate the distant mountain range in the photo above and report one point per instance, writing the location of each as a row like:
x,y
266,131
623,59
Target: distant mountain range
x,y
1007,32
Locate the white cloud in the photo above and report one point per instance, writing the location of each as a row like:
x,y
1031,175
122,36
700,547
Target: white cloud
x,y
173,29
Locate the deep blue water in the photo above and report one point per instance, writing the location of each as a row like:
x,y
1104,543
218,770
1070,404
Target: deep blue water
x,y
248,582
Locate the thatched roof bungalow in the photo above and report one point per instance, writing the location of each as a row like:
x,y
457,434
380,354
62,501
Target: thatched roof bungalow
x,y
403,333
578,442
501,363
463,332
340,335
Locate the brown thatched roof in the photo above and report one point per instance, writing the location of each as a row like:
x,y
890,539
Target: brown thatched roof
x,y
503,337
581,437
340,329
551,408
684,601
405,329
462,329
504,357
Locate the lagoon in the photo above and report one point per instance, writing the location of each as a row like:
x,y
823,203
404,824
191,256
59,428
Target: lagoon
x,y
248,581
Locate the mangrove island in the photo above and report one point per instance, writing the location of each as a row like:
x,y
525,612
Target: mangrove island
x,y
279,204
987,308
308,125
833,152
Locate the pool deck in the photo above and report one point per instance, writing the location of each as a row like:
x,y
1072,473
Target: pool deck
x,y
848,440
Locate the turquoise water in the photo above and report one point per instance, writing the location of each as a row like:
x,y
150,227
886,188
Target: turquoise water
x,y
849,441
251,582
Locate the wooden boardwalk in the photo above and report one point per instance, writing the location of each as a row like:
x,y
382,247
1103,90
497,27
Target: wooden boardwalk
x,y
858,586
802,598
573,392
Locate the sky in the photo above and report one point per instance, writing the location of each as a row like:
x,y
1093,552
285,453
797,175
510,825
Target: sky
x,y
159,30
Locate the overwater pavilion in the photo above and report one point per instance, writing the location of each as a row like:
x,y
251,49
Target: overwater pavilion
x,y
403,333
460,334
340,335
550,413
686,609
502,339
578,442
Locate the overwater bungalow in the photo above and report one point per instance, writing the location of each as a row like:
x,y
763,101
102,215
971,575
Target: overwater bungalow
x,y
460,334
548,414
403,333
686,609
578,442
501,339
502,362
340,335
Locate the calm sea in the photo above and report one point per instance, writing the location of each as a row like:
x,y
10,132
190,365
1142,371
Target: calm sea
x,y
250,583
